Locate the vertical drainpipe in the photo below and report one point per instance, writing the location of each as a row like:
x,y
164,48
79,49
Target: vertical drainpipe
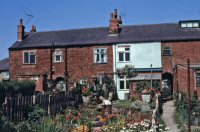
x,y
114,66
66,66
195,86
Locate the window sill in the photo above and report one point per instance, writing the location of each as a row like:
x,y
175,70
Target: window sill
x,y
124,62
167,55
101,63
123,90
58,62
27,64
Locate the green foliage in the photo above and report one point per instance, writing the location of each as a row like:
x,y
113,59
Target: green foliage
x,y
142,85
24,126
36,113
127,71
18,87
48,125
6,126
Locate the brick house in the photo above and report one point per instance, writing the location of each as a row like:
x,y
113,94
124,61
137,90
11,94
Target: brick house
x,y
4,69
65,54
76,54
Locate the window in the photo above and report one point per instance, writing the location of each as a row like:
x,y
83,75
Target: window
x,y
124,84
189,24
167,51
100,55
198,79
84,81
29,57
57,56
35,78
124,54
6,76
100,79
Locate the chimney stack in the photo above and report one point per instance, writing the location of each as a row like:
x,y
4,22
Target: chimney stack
x,y
33,30
115,23
20,31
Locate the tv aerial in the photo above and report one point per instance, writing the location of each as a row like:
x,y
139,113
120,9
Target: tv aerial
x,y
29,17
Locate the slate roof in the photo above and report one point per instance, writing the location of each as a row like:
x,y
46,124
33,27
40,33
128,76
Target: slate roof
x,y
4,64
95,36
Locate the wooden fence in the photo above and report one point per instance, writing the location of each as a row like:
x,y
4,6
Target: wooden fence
x,y
16,108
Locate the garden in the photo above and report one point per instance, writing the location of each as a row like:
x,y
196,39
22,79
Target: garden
x,y
140,113
98,110
181,115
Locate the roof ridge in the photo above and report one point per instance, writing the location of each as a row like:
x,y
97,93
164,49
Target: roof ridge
x,y
104,27
75,29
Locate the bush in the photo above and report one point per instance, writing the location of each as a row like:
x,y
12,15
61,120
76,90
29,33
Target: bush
x,y
48,125
18,87
6,126
24,127
36,114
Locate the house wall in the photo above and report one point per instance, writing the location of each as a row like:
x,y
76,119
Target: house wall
x,y
20,71
181,51
80,63
142,55
4,75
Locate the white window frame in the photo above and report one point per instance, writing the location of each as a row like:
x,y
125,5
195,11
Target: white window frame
x,y
100,79
6,75
58,52
169,49
122,49
189,24
35,78
125,80
101,60
29,54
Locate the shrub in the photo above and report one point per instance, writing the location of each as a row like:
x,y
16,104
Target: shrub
x,y
48,125
6,126
35,114
24,127
16,87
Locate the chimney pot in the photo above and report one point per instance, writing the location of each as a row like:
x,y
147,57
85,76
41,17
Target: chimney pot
x,y
20,31
115,13
33,29
21,22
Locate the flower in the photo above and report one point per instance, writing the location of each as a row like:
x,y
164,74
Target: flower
x,y
85,91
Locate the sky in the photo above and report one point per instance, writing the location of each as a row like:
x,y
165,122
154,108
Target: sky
x,y
71,14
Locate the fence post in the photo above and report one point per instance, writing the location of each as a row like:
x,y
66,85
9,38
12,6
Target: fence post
x,y
49,105
34,99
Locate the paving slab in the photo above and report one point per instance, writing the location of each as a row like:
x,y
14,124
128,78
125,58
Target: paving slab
x,y
168,112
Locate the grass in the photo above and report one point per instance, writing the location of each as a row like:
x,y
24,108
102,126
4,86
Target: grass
x,y
122,104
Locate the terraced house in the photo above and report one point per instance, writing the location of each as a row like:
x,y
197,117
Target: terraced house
x,y
157,51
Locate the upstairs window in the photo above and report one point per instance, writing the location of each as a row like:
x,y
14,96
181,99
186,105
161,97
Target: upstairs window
x,y
189,24
198,79
29,57
167,51
124,54
58,56
100,55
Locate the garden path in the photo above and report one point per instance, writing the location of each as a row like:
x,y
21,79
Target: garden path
x,y
168,112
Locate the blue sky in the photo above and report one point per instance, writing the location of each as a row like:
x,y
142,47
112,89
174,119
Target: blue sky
x,y
70,14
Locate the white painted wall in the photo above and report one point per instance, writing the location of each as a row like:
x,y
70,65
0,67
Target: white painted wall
x,y
142,55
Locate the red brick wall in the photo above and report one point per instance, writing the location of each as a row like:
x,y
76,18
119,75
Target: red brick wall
x,y
20,71
81,63
181,51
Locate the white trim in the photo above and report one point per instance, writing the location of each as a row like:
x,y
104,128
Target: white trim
x,y
29,51
99,53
